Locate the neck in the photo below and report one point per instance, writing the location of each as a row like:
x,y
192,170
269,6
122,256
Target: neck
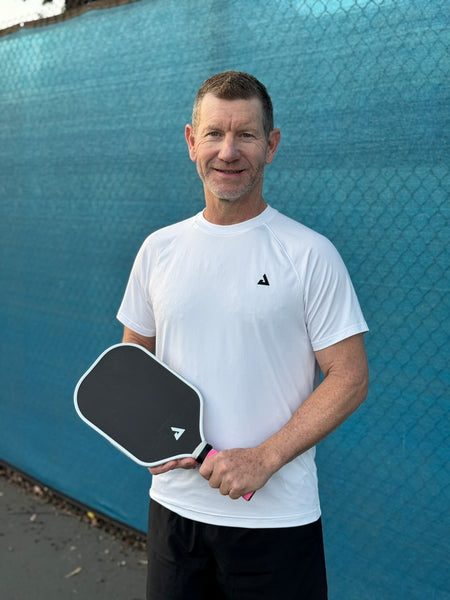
x,y
226,212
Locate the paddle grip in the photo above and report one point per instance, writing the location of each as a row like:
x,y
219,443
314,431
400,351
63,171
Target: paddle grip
x,y
248,496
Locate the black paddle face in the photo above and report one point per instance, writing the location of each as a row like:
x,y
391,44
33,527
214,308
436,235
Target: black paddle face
x,y
140,406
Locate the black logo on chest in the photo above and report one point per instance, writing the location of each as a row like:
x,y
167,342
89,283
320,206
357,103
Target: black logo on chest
x,y
264,280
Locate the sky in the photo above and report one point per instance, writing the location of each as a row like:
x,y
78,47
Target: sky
x,y
13,12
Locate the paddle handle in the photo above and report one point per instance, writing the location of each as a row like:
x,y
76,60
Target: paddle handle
x,y
248,496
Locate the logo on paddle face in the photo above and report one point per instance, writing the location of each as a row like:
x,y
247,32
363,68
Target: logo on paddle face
x,y
177,432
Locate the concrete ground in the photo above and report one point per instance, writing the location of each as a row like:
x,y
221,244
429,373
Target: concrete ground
x,y
50,550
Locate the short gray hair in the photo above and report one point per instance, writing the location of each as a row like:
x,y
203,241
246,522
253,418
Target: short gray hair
x,y
235,85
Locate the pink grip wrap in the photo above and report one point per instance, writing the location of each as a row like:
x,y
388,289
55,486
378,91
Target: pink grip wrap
x,y
248,496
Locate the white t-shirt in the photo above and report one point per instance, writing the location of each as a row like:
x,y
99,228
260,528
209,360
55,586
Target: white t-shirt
x,y
238,311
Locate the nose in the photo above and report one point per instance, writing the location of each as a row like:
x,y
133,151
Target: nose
x,y
228,149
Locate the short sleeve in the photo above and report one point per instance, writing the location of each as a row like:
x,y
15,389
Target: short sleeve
x,y
136,311
332,310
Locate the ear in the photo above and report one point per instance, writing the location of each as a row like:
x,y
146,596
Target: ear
x,y
190,139
274,140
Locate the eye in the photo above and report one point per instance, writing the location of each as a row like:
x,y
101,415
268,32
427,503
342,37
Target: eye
x,y
213,134
246,135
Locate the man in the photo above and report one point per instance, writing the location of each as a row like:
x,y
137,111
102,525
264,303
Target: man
x,y
249,306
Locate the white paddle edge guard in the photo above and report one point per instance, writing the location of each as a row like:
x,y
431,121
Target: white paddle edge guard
x,y
194,454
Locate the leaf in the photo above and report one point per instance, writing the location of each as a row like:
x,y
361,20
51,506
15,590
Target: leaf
x,y
74,572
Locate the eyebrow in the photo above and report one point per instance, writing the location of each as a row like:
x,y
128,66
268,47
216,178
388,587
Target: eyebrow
x,y
244,127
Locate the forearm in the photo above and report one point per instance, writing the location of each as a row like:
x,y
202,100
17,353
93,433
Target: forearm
x,y
333,401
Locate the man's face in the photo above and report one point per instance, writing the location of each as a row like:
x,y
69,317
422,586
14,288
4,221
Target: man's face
x,y
230,148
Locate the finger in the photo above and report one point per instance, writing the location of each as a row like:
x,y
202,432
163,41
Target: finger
x,y
234,495
207,468
183,463
168,466
187,463
223,488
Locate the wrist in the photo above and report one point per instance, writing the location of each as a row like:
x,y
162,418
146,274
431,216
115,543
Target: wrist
x,y
272,456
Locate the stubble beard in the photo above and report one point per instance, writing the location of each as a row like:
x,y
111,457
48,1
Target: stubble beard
x,y
231,195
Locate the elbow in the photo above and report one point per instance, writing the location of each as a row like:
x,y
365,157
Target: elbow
x,y
360,385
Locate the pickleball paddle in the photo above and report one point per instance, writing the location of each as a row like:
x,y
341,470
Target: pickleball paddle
x,y
142,407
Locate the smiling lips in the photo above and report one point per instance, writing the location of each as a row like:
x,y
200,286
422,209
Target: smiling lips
x,y
229,171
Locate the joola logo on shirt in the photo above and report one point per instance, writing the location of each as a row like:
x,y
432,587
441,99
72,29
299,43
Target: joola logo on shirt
x,y
264,280
177,432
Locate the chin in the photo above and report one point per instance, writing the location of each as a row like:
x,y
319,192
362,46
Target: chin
x,y
228,195
226,198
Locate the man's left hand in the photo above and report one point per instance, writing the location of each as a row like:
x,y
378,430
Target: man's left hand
x,y
237,472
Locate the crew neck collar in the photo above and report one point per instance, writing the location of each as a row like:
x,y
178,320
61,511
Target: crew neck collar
x,y
267,214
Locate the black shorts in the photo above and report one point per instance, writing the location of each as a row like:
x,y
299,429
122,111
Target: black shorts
x,y
188,560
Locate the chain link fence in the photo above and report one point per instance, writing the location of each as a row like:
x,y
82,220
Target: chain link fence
x,y
93,159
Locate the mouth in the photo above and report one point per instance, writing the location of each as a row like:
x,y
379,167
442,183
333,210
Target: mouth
x,y
229,171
